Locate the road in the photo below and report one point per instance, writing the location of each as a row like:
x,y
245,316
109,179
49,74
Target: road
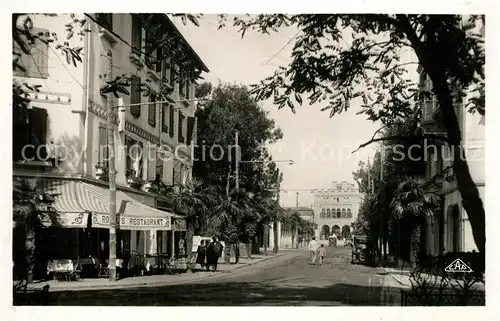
x,y
285,281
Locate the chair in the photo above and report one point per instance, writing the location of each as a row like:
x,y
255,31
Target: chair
x,y
103,270
169,266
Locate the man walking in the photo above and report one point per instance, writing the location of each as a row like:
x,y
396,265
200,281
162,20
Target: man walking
x,y
313,249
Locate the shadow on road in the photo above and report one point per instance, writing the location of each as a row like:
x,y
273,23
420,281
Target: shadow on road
x,y
233,293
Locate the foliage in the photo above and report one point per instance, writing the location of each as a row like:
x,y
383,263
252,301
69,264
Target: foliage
x,y
432,285
230,108
414,199
31,208
343,59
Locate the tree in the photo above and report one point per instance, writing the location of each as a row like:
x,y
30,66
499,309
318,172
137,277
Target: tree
x,y
293,224
31,209
194,201
230,108
328,65
416,202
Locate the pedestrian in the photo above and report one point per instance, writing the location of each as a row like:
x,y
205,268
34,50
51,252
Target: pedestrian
x,y
322,254
214,252
313,250
202,250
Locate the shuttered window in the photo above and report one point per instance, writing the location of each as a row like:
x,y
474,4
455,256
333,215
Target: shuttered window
x,y
135,96
171,122
152,112
36,63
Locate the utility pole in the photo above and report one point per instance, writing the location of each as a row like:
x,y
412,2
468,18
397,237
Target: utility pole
x,y
112,182
237,162
297,200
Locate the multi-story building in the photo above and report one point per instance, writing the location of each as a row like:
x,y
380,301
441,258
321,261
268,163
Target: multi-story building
x,y
336,209
66,123
449,229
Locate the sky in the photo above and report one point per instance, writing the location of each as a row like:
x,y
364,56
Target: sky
x,y
320,146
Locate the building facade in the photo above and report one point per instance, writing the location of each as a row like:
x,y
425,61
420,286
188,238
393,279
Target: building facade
x,y
60,141
449,229
336,209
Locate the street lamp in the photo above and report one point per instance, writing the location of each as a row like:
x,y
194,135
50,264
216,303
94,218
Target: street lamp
x,y
112,177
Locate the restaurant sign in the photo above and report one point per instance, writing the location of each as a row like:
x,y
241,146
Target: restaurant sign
x,y
132,223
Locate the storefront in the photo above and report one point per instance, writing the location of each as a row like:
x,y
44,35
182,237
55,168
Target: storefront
x,y
84,221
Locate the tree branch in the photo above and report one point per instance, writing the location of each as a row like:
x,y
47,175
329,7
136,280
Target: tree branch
x,y
399,137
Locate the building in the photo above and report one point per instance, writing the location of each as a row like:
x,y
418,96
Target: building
x,y
336,209
66,124
449,229
306,213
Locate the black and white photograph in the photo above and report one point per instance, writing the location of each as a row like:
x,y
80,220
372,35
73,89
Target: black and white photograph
x,y
274,159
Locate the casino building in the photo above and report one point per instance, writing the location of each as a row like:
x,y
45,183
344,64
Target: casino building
x,y
336,209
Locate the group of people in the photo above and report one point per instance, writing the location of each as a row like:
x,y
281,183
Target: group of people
x,y
209,253
317,251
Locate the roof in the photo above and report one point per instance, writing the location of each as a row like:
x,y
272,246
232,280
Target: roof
x,y
195,55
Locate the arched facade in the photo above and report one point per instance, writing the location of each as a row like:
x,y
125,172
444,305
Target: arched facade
x,y
336,230
346,231
325,232
338,207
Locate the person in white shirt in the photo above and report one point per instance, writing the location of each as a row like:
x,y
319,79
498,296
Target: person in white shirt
x,y
313,249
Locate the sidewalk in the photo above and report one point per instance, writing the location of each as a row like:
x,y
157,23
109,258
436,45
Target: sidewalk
x,y
153,280
402,277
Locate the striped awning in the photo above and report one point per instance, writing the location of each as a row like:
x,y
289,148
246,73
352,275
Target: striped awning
x,y
75,200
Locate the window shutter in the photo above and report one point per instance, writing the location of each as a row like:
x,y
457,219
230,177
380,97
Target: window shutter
x,y
190,127
36,63
159,53
180,137
164,115
171,122
136,34
152,112
135,96
151,174
38,122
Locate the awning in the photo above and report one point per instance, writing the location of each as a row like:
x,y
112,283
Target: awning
x,y
74,200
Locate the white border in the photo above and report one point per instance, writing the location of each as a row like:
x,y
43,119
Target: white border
x,y
431,6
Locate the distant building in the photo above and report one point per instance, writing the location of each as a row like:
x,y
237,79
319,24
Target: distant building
x,y
336,209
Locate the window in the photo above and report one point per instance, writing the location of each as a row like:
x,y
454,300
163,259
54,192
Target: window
x,y
338,200
190,128
349,213
322,215
338,213
182,84
164,116
34,65
339,186
159,61
106,20
29,128
180,134
138,36
135,96
102,157
134,157
171,121
343,213
328,214
173,73
152,111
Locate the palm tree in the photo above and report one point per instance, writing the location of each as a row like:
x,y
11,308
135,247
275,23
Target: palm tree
x,y
416,202
31,208
292,223
193,200
229,217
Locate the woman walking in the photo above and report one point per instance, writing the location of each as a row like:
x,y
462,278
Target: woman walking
x,y
202,251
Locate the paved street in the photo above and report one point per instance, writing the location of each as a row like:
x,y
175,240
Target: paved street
x,y
286,280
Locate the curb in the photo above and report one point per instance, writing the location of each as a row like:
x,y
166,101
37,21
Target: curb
x,y
158,284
